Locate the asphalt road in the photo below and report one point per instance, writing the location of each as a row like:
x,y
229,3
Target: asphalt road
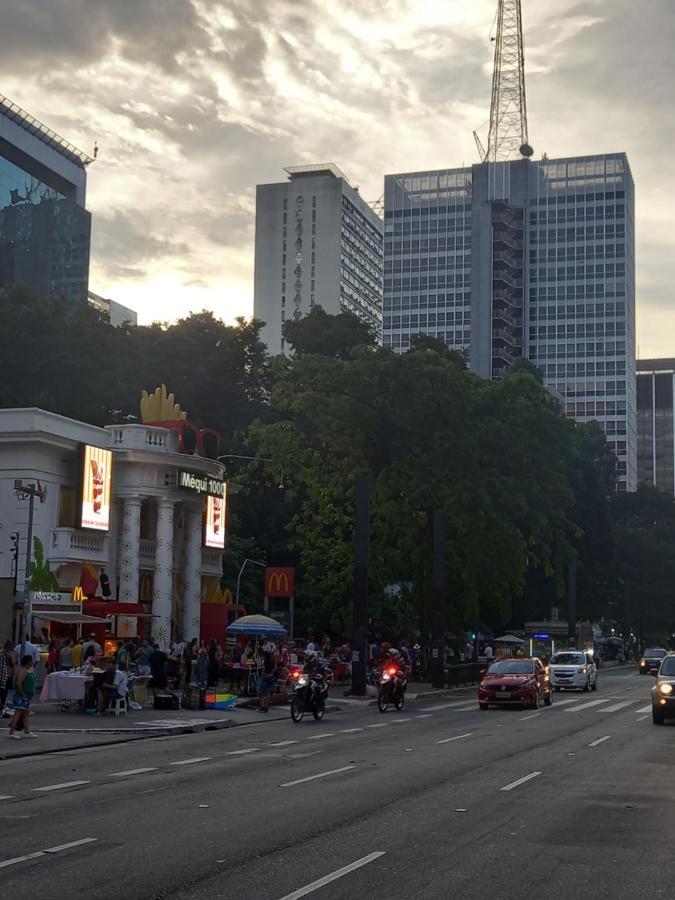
x,y
438,801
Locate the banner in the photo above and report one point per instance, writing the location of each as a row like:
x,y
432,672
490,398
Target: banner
x,y
96,478
279,581
214,525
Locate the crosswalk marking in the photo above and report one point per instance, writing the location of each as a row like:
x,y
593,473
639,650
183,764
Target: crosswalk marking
x,y
617,706
585,706
644,709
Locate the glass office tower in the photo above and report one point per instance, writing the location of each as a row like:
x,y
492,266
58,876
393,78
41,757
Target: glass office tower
x,y
655,420
44,227
524,258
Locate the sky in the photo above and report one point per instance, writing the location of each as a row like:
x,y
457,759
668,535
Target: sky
x,y
194,102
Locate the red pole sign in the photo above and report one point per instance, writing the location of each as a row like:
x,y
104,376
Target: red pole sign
x,y
279,581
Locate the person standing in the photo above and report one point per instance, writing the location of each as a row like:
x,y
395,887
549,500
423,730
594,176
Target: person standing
x,y
4,680
24,689
66,656
213,664
489,653
157,662
202,670
266,681
77,653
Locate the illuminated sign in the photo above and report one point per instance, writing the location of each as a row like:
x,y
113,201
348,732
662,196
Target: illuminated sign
x,y
78,594
542,637
214,525
96,478
279,582
201,484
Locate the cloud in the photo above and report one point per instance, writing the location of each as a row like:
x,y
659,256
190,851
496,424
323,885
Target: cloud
x,y
194,102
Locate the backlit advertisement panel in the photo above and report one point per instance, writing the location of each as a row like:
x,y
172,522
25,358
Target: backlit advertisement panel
x,y
96,478
214,526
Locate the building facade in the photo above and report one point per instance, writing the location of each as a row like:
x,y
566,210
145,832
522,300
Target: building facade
x,y
114,312
655,432
152,519
317,242
44,227
530,259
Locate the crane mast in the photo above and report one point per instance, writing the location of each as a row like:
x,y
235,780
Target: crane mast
x,y
508,137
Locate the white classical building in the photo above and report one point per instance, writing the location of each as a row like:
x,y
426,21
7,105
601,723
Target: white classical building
x,y
148,510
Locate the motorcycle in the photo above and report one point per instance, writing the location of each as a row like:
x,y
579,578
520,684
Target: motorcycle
x,y
393,684
309,695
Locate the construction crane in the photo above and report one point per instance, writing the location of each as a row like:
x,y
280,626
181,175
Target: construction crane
x,y
507,138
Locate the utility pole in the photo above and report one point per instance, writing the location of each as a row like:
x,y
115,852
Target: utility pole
x,y
508,137
360,608
27,492
254,562
438,611
572,604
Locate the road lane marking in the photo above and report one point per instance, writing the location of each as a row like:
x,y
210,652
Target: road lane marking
x,y
586,706
533,716
378,725
396,721
318,737
515,784
444,706
333,876
425,716
644,709
457,737
132,772
314,777
38,853
242,752
557,702
6,797
351,730
600,740
283,743
642,718
189,762
58,787
471,708
617,706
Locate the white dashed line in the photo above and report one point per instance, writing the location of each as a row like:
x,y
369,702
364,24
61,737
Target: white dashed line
x,y
318,737
398,721
378,725
600,741
515,784
6,797
189,762
314,777
283,743
533,716
333,876
472,708
642,718
242,752
644,709
351,730
38,853
425,716
454,705
132,772
59,787
457,737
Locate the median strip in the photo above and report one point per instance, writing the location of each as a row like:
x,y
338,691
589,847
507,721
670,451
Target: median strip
x,y
314,777
515,784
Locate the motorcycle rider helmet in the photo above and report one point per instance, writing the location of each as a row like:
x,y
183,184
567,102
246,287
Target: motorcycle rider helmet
x,y
311,654
394,653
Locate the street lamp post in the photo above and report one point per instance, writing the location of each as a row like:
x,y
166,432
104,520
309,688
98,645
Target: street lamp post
x,y
27,492
241,572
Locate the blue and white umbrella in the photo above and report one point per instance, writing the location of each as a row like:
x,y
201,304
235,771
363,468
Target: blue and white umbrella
x,y
257,626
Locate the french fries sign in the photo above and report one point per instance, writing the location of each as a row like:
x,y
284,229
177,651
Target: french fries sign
x,y
96,478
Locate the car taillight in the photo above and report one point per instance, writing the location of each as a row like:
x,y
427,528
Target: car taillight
x,y
392,670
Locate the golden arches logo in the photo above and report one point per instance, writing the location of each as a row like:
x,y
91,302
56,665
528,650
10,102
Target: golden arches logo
x,y
278,581
78,594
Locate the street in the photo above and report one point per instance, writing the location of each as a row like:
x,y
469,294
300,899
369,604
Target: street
x,y
440,800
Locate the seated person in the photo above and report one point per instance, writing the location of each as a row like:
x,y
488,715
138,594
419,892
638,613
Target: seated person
x,y
112,686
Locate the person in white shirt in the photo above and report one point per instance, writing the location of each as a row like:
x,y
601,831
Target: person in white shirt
x,y
488,653
28,648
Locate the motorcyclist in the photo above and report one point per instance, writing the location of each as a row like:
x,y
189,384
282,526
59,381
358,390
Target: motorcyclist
x,y
315,665
392,658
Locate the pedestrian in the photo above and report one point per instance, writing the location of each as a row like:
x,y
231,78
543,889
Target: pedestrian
x,y
23,691
90,648
202,670
4,680
488,653
213,664
124,657
77,653
66,656
143,657
266,681
157,663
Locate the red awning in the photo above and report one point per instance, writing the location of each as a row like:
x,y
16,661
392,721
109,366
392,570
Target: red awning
x,y
113,608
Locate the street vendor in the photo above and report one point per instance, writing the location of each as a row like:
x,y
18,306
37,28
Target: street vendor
x,y
112,685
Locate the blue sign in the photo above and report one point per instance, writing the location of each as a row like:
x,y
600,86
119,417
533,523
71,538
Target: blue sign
x,y
542,637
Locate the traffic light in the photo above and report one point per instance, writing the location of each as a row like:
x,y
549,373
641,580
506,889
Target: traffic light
x,y
473,635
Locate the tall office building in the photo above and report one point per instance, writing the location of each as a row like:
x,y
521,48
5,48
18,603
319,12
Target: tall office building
x,y
44,227
524,258
114,312
655,432
317,242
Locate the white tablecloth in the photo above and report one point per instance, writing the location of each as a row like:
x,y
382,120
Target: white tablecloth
x,y
62,686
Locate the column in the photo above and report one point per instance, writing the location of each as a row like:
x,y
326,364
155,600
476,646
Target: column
x,y
163,581
129,563
192,577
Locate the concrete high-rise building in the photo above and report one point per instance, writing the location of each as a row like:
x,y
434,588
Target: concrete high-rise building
x,y
317,242
655,432
44,226
524,258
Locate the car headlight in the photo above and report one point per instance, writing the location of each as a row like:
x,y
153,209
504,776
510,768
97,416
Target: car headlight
x,y
582,670
643,662
665,688
302,680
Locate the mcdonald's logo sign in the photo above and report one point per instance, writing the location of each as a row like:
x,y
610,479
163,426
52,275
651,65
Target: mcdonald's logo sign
x,y
279,582
78,594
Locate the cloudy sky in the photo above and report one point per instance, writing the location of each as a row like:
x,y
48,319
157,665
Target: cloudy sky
x,y
193,102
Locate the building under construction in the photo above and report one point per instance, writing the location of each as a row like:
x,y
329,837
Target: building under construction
x,y
516,257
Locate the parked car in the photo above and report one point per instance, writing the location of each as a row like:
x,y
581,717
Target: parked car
x,y
651,660
573,669
663,692
510,682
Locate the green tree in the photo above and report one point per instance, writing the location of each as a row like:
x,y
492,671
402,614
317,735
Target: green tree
x,y
40,577
326,335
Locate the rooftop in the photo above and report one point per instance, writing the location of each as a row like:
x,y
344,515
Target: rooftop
x,y
317,169
655,365
33,126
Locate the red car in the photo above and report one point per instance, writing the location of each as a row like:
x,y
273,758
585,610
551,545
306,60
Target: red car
x,y
510,682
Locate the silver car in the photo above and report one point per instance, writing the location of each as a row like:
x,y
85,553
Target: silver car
x,y
574,670
663,692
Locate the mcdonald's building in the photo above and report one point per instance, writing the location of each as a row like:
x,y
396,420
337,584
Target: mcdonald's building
x,y
130,522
